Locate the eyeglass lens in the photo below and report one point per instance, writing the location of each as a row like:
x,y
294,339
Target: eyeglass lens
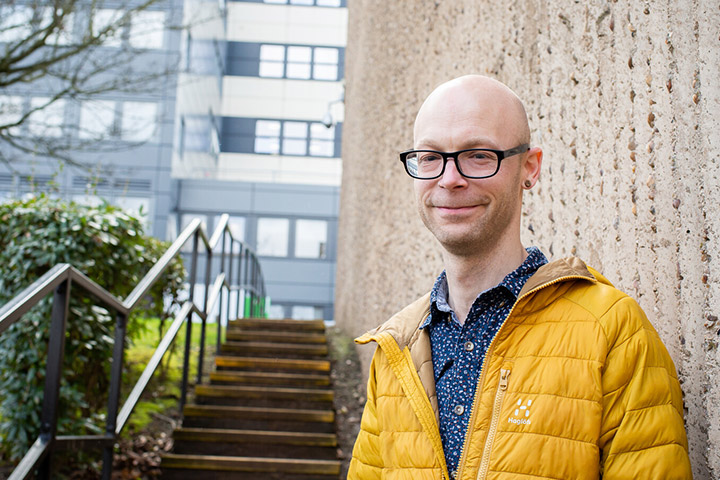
x,y
473,163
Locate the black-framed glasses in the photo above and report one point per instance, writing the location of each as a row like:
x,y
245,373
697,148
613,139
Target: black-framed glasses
x,y
471,163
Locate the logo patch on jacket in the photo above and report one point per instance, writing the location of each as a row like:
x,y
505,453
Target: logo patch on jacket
x,y
521,413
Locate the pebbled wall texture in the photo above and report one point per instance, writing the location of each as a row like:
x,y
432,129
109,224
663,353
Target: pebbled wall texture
x,y
624,98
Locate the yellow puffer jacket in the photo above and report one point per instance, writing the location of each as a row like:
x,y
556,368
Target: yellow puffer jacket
x,y
575,385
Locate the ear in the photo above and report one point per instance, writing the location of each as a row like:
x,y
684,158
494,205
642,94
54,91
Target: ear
x,y
532,164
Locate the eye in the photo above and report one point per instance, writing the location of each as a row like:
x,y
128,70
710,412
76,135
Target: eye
x,y
429,157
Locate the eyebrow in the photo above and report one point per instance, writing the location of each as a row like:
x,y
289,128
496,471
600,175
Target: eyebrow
x,y
472,142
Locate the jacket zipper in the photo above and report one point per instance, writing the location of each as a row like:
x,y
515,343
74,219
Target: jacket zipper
x,y
499,394
478,388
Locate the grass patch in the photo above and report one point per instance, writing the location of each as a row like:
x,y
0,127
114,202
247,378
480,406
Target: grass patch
x,y
162,395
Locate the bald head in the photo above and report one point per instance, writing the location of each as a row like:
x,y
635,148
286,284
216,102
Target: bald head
x,y
472,99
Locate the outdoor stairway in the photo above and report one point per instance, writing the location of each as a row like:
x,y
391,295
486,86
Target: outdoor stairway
x,y
267,412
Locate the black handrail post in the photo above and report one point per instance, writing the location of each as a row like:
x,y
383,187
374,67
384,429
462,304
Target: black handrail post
x,y
114,394
220,309
245,282
188,330
53,369
201,355
240,314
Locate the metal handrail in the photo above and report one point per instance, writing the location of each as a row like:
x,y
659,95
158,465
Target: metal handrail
x,y
62,277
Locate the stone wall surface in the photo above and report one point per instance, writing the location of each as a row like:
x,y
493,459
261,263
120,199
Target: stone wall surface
x,y
624,99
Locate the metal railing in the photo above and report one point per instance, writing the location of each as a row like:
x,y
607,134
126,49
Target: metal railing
x,y
62,278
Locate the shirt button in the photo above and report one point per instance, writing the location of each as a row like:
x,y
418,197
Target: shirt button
x,y
469,346
459,410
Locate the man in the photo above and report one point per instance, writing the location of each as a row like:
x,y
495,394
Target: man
x,y
512,367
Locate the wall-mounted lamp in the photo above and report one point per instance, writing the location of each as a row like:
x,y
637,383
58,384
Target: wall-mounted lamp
x,y
328,120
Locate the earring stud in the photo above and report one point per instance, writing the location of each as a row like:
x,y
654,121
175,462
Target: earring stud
x,y
527,184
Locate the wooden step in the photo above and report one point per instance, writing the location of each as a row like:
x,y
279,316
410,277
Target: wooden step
x,y
260,413
272,363
274,349
286,325
251,464
278,336
255,436
269,378
255,443
253,395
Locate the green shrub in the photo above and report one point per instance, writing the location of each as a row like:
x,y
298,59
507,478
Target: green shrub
x,y
108,246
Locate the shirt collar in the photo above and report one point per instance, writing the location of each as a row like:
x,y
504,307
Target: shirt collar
x,y
439,307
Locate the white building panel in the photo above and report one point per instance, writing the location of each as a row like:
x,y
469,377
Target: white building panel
x,y
280,169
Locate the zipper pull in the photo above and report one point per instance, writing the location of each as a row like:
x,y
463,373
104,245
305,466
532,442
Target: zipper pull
x,y
504,374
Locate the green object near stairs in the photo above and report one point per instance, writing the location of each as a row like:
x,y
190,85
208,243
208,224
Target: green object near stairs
x,y
267,412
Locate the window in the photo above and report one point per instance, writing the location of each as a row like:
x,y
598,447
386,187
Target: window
x,y
267,136
299,62
237,228
63,32
139,121
276,312
97,119
147,29
319,3
48,120
16,23
108,24
311,238
185,220
139,207
11,109
272,236
296,138
305,312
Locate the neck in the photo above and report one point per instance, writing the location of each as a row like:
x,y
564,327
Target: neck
x,y
469,275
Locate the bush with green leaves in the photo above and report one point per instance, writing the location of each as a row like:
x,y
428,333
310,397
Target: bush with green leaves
x,y
109,246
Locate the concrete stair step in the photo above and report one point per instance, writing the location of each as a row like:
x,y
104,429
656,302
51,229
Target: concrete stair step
x,y
269,378
277,364
254,465
272,349
280,336
280,325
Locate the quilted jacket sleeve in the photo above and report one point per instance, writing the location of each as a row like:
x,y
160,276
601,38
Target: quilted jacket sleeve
x,y
366,463
642,433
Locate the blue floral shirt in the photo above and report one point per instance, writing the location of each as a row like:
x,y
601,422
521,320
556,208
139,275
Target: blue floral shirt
x,y
458,350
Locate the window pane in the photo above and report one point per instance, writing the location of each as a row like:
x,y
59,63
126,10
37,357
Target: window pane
x,y
16,23
299,54
271,69
147,29
322,148
48,120
328,3
11,108
272,236
97,118
106,19
275,1
63,32
321,132
301,2
267,128
294,147
267,145
276,312
138,207
139,121
303,312
274,53
295,130
325,72
298,70
310,238
237,228
326,55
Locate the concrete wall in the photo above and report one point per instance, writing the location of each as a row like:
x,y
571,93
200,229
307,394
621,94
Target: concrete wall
x,y
623,97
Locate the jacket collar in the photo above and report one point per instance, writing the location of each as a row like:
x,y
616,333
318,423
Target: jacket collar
x,y
403,326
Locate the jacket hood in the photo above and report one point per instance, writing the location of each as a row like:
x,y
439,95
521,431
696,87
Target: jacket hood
x,y
403,326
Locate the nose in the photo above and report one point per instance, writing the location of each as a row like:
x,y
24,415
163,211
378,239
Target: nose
x,y
451,177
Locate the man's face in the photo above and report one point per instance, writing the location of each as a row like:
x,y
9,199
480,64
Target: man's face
x,y
469,215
